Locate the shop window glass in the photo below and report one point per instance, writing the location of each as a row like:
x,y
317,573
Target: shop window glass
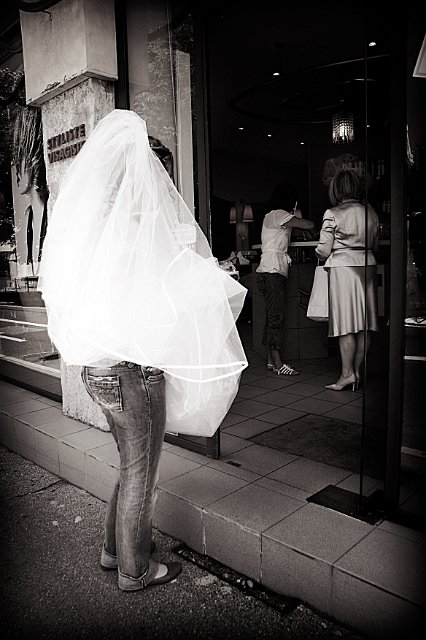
x,y
162,88
26,352
413,441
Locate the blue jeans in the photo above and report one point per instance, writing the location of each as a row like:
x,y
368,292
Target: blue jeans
x,y
133,400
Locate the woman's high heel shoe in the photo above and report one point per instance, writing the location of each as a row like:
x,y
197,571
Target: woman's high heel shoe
x,y
353,382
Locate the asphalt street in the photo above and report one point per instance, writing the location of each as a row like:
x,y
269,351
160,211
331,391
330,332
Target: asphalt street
x,y
52,585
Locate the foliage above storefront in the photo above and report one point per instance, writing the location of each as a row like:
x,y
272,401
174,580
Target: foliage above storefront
x,y
11,100
27,150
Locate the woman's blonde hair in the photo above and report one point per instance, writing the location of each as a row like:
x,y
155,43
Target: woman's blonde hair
x,y
345,185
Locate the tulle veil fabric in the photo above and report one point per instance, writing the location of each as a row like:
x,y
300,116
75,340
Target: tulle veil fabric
x,y
128,275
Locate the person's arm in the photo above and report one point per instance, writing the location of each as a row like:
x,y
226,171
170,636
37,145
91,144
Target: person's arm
x,y
326,239
300,223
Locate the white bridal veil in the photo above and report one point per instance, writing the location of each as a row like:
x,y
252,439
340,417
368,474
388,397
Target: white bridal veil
x,y
127,274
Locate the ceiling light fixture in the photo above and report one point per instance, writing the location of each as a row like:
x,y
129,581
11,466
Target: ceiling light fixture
x,y
343,127
372,43
276,73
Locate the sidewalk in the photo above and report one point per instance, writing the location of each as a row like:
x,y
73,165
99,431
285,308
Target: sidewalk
x,y
249,509
53,587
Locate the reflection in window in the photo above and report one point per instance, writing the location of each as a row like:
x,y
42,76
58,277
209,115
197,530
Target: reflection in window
x,y
23,223
159,63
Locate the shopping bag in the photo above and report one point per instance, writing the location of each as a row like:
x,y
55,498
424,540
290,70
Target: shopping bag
x,y
318,300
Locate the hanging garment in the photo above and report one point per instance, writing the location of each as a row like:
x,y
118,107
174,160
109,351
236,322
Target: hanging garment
x,y
123,281
43,228
30,234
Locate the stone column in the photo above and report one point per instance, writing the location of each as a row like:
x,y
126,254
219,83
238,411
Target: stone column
x,y
70,66
83,104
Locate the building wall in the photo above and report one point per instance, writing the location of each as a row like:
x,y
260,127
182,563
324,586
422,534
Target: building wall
x,y
83,104
73,40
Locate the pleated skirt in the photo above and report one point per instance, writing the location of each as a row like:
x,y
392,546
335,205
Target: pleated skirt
x,y
352,290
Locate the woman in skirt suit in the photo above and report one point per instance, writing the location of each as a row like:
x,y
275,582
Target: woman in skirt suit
x,y
349,230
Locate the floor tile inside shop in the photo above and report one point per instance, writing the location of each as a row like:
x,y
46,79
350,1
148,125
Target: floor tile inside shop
x,y
283,440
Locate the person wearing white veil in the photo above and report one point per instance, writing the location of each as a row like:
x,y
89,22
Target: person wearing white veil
x,y
134,296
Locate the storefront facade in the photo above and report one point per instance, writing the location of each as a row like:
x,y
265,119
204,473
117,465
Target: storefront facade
x,y
233,106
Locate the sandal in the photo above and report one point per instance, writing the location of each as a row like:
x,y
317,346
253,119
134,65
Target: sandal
x,y
126,583
286,370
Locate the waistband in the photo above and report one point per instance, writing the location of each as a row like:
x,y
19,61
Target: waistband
x,y
350,249
124,364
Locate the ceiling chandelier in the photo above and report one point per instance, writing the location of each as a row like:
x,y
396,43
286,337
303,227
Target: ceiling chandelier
x,y
343,127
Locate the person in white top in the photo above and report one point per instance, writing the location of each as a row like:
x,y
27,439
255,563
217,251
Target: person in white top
x,y
272,271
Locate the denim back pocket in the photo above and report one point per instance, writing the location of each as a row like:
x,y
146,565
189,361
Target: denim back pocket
x,y
104,390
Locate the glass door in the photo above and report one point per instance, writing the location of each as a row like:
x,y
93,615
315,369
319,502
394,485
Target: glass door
x,y
294,106
377,180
